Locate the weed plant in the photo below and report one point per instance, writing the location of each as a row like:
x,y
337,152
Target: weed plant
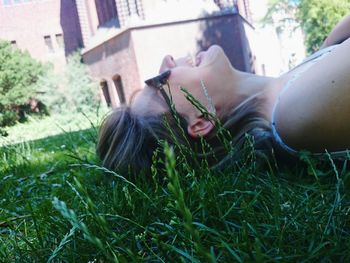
x,y
57,204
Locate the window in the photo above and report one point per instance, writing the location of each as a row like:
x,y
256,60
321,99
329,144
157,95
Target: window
x,y
48,43
13,43
105,92
120,89
7,2
59,40
106,10
14,2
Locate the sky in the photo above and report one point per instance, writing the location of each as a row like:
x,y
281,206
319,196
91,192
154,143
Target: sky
x,y
276,53
258,8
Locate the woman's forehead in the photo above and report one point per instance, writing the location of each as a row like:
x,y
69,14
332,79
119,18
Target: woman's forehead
x,y
133,95
146,101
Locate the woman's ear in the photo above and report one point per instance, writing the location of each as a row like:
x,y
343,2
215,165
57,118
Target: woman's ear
x,y
200,127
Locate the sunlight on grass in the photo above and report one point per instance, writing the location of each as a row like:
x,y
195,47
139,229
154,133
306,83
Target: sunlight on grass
x,y
37,128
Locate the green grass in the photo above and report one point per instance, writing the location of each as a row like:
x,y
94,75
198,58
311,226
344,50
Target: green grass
x,y
37,128
58,205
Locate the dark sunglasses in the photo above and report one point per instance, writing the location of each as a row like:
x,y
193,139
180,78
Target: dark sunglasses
x,y
158,83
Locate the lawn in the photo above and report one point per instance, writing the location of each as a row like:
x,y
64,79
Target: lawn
x,y
58,205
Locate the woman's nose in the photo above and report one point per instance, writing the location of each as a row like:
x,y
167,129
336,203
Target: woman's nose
x,y
199,57
167,63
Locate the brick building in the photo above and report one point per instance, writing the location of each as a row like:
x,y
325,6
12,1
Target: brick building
x,y
125,40
127,49
48,29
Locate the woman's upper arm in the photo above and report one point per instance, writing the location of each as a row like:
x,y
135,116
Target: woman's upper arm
x,y
340,33
314,112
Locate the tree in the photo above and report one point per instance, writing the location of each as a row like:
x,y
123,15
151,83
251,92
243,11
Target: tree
x,y
316,17
280,13
72,90
18,76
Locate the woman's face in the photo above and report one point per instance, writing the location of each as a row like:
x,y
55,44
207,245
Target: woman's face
x,y
208,66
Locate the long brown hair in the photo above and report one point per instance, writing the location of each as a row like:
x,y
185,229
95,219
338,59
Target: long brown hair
x,y
127,141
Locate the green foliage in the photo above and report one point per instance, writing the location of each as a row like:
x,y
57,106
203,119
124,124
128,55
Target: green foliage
x,y
24,80
79,86
18,75
285,9
58,205
71,90
318,17
37,127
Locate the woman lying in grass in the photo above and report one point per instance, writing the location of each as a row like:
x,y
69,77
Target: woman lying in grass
x,y
307,108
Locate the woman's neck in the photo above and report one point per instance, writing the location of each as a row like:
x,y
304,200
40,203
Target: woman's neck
x,y
249,84
239,86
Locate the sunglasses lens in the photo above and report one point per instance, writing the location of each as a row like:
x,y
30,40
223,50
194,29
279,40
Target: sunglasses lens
x,y
151,82
164,77
159,80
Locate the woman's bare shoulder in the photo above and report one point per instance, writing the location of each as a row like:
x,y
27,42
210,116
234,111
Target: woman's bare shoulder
x,y
313,112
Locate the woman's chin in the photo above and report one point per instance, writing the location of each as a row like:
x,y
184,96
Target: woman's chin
x,y
213,55
216,50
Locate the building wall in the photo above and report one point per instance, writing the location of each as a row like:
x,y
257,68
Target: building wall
x,y
114,58
189,37
114,45
27,23
136,53
244,9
